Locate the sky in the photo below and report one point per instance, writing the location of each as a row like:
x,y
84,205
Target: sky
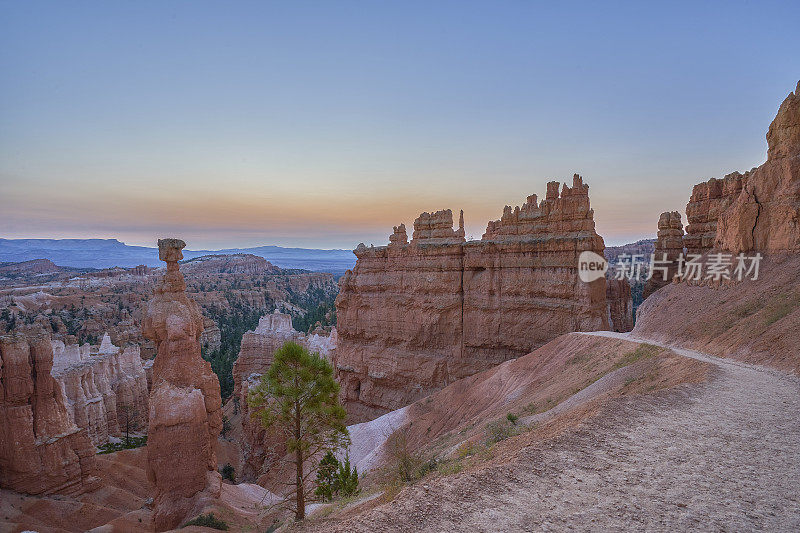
x,y
324,124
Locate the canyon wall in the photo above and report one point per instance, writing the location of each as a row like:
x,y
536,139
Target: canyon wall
x,y
255,358
415,316
42,451
620,305
708,201
105,387
760,209
185,406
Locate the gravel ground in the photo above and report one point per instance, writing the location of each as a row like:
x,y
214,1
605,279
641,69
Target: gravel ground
x,y
722,456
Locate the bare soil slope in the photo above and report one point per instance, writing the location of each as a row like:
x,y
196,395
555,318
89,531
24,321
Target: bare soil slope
x,y
721,455
754,321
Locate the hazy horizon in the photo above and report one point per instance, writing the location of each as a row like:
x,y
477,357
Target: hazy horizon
x,y
323,125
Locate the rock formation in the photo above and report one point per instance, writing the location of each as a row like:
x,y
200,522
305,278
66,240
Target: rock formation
x,y
211,338
105,388
620,305
414,317
760,209
185,405
255,357
707,203
41,450
668,248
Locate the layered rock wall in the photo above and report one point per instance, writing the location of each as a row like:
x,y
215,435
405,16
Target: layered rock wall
x,y
105,388
760,209
412,318
708,202
620,305
185,406
42,451
766,214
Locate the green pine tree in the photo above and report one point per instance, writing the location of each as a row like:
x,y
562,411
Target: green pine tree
x,y
300,397
347,482
327,477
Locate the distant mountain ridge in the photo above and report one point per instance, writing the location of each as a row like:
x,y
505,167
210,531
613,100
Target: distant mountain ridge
x,y
107,253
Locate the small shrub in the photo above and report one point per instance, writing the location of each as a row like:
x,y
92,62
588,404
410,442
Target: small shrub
x,y
226,426
466,449
781,307
208,520
228,473
498,431
131,443
405,463
511,417
643,351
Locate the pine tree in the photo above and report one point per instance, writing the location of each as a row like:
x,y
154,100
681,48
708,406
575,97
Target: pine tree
x,y
299,397
327,477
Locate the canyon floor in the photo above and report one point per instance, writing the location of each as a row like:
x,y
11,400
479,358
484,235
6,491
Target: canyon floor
x,y
723,455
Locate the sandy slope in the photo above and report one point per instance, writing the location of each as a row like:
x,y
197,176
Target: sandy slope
x,y
724,455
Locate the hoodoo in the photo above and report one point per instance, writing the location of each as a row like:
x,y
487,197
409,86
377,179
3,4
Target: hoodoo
x,y
413,317
185,405
42,451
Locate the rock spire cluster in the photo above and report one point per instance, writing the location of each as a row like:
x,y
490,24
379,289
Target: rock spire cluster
x,y
415,316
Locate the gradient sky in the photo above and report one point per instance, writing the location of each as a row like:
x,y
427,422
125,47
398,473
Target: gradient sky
x,y
324,124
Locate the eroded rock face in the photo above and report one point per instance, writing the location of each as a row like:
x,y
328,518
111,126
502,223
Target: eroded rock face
x,y
42,451
708,202
105,388
760,209
185,406
766,214
412,318
620,305
255,357
668,248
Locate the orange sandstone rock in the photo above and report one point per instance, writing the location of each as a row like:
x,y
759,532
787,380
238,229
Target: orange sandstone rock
x,y
185,405
412,318
42,451
668,248
760,209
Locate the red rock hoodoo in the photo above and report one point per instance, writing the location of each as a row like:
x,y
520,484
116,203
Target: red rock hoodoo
x,y
413,317
185,406
668,248
42,451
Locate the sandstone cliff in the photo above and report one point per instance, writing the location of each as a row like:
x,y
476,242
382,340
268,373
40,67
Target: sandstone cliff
x,y
105,388
185,406
255,357
760,209
413,317
41,450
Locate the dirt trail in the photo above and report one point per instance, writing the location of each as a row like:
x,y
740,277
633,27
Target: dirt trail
x,y
722,456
